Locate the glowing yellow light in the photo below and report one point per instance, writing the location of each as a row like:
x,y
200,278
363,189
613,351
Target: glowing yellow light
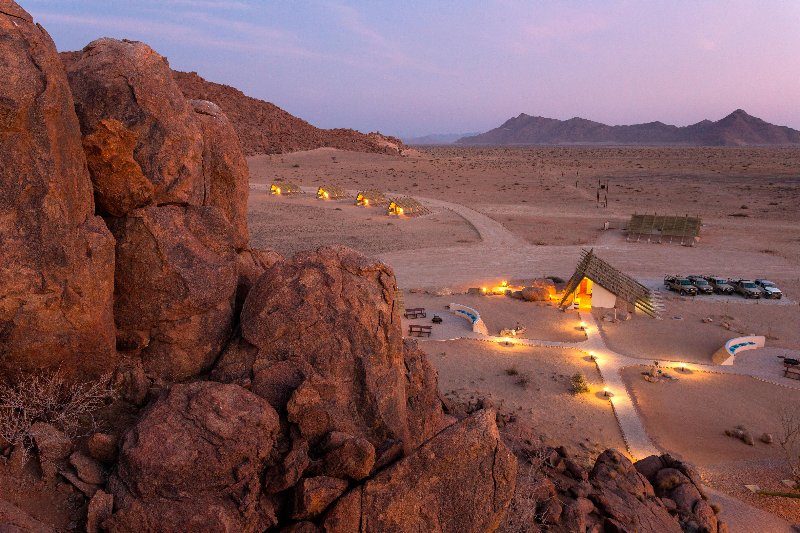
x,y
606,391
484,289
366,201
399,210
507,341
583,325
325,195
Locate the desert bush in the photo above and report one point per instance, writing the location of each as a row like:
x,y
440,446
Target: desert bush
x,y
578,384
524,381
512,371
46,396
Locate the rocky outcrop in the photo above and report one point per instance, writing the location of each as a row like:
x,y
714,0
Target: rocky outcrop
x,y
321,340
226,178
462,480
264,128
657,494
126,81
175,285
56,257
15,520
194,462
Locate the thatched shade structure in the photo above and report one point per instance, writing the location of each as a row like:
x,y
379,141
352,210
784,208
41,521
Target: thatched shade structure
x,y
330,193
406,206
370,198
284,187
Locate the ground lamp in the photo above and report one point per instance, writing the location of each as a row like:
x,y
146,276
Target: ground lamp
x,y
606,392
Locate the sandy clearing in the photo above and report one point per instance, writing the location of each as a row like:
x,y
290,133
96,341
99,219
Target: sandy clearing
x,y
480,369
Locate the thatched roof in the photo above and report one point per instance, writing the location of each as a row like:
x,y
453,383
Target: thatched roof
x,y
614,281
410,206
664,227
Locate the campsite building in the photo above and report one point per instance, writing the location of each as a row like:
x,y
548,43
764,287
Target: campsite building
x,y
370,199
406,206
284,187
330,193
597,284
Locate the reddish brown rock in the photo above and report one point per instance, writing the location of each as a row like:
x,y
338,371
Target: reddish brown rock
x,y
250,264
175,285
626,498
462,480
102,447
56,257
119,184
88,470
328,319
100,509
352,459
12,518
313,495
194,462
127,81
52,447
226,178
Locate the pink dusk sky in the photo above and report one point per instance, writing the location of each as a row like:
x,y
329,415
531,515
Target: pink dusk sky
x,y
413,68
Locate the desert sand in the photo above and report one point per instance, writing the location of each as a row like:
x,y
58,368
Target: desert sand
x,y
520,213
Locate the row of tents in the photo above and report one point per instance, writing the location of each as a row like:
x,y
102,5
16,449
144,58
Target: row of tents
x,y
402,205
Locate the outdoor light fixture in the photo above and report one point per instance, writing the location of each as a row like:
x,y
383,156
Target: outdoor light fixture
x,y
507,341
583,325
683,367
606,392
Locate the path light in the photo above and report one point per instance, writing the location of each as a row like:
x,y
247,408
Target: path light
x,y
507,341
583,325
484,290
683,367
606,392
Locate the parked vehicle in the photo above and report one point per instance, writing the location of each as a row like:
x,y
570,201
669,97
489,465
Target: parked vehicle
x,y
720,285
703,286
680,285
769,289
747,288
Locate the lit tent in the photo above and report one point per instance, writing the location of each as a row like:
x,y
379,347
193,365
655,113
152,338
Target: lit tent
x,y
330,193
370,199
406,206
284,187
596,283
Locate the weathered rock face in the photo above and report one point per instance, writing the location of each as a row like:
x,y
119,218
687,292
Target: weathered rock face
x,y
194,461
56,258
321,340
128,82
119,184
175,285
15,520
462,480
226,178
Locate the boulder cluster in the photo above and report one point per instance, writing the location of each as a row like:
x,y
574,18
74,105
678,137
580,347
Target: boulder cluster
x,y
267,393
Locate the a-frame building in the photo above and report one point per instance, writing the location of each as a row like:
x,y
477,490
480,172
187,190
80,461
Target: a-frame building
x,y
596,283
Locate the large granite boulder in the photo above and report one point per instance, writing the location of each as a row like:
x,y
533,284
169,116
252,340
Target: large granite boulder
x,y
128,82
321,340
460,481
195,461
226,178
175,285
56,257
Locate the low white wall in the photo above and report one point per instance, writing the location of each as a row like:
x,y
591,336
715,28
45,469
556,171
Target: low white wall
x,y
478,325
728,352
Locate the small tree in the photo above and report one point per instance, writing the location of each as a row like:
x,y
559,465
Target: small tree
x,y
578,384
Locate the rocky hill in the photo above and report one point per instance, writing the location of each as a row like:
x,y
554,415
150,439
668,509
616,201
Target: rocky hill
x,y
158,374
737,129
265,128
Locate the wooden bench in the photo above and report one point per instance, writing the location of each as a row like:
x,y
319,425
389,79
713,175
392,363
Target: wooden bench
x,y
415,312
791,371
417,330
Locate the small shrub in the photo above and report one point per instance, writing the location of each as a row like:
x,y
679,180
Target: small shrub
x,y
578,384
512,371
47,397
295,166
524,380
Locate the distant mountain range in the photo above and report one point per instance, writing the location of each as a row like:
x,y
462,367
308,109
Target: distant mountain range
x,y
737,129
438,138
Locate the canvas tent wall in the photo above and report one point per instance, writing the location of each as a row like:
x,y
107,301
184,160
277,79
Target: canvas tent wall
x,y
612,281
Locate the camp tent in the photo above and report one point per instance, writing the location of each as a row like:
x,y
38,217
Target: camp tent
x,y
330,193
406,206
370,198
284,187
596,283
660,228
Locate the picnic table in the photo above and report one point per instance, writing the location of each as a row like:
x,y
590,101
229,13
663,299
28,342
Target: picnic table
x,y
415,312
417,330
791,368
